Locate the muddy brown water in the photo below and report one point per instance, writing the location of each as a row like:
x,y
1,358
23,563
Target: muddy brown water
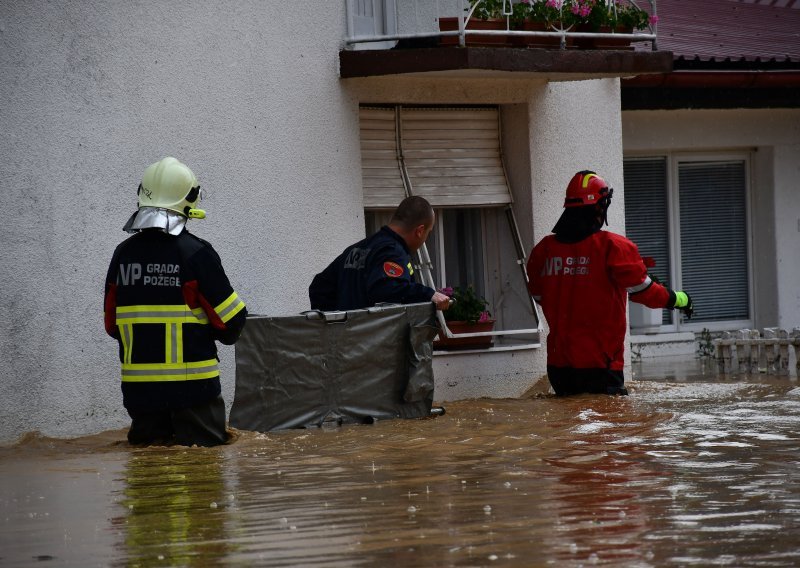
x,y
690,470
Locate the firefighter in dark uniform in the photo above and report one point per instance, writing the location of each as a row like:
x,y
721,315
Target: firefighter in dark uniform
x,y
582,277
379,269
167,301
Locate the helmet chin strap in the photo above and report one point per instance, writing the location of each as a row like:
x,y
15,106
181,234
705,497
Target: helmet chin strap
x,y
604,204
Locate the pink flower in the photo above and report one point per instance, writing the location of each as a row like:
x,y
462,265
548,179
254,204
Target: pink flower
x,y
447,291
653,20
553,4
484,317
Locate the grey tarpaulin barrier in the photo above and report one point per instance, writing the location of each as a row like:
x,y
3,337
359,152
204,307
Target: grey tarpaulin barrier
x,y
348,367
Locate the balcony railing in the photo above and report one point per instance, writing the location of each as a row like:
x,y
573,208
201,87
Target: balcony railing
x,y
381,24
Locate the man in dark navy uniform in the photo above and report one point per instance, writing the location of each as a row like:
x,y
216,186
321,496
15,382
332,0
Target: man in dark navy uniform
x,y
378,268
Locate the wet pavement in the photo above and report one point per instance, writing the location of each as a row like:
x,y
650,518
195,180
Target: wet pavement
x,y
692,469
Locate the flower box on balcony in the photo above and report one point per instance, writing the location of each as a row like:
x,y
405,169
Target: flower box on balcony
x,y
623,43
481,40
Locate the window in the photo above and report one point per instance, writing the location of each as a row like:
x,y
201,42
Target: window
x,y
456,246
452,157
371,18
690,214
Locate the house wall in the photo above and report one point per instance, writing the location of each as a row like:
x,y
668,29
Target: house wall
x,y
772,136
93,93
550,131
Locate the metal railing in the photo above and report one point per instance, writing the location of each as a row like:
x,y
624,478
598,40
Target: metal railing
x,y
395,20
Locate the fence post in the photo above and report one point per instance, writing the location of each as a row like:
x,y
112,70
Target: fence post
x,y
743,351
770,348
727,355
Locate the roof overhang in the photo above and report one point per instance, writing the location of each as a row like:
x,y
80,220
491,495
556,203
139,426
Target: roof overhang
x,y
487,62
712,89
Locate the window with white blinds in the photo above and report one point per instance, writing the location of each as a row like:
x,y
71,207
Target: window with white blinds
x,y
451,155
646,218
713,227
710,231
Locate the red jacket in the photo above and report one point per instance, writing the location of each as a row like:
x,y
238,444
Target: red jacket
x,y
583,288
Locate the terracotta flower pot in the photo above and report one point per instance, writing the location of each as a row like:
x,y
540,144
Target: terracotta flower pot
x,y
541,42
466,342
604,42
477,40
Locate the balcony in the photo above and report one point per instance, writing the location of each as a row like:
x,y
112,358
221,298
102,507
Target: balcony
x,y
447,38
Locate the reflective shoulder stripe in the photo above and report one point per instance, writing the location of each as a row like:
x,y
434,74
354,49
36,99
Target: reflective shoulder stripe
x,y
161,372
231,306
641,287
410,269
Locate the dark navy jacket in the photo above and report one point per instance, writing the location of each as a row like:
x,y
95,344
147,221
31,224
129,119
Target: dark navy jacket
x,y
167,302
377,269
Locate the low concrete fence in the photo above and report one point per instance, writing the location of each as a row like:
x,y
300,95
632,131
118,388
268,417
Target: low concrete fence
x,y
751,351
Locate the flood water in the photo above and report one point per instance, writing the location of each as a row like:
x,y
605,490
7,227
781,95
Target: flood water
x,y
690,470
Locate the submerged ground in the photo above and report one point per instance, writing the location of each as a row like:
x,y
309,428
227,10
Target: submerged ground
x,y
691,469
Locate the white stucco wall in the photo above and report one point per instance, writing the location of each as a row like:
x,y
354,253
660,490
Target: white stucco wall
x,y
246,93
772,137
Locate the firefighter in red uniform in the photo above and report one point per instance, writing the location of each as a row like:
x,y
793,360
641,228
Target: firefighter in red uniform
x,y
167,300
582,278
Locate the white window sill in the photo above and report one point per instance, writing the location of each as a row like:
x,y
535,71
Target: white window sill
x,y
495,349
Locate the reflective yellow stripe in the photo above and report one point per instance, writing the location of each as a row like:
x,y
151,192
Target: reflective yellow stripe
x,y
587,178
229,307
171,352
153,372
410,269
126,337
160,314
179,344
200,314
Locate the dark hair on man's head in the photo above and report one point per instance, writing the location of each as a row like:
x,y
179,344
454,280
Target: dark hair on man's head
x,y
412,212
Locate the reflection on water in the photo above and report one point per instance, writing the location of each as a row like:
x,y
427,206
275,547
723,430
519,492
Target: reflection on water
x,y
686,471
168,518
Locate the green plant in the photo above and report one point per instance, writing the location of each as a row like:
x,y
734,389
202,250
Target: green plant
x,y
468,305
705,344
487,9
630,16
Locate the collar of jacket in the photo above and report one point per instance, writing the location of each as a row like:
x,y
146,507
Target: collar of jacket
x,y
167,221
385,229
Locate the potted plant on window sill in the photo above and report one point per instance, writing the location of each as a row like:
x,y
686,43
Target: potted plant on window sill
x,y
467,314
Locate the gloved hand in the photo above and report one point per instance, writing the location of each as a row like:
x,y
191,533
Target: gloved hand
x,y
683,303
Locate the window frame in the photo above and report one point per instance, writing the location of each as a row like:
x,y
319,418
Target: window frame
x,y
674,159
410,156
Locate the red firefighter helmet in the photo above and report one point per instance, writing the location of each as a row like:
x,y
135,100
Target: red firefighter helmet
x,y
587,188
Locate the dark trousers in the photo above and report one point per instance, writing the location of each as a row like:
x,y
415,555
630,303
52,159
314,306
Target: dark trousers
x,y
202,425
567,380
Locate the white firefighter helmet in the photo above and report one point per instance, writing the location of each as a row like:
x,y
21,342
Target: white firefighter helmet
x,y
169,184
